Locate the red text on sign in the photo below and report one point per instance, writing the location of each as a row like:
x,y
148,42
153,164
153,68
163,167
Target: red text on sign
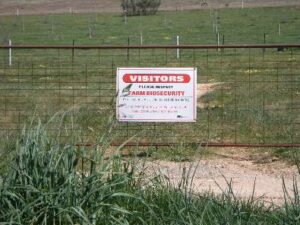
x,y
156,78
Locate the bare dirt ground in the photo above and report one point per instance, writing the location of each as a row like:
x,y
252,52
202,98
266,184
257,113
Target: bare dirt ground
x,y
24,7
263,174
204,89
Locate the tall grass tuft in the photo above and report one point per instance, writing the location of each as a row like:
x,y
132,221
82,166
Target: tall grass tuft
x,y
45,184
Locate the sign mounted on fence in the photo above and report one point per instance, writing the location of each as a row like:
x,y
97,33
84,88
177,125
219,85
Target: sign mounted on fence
x,y
156,94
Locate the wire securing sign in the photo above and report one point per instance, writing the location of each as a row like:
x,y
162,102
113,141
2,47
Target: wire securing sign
x,y
156,94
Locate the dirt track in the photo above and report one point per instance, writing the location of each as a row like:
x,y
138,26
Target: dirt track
x,y
24,7
265,177
247,169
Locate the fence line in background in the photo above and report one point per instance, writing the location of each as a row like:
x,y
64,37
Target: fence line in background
x,y
251,99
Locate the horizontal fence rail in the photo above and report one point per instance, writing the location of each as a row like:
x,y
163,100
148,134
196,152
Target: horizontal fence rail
x,y
248,95
245,46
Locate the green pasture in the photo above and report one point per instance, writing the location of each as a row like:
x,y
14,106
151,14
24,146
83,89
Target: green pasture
x,y
255,98
194,27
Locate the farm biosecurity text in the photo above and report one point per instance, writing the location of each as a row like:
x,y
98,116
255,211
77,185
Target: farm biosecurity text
x,y
156,93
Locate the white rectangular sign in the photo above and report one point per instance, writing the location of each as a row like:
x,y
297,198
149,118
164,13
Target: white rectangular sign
x,y
156,94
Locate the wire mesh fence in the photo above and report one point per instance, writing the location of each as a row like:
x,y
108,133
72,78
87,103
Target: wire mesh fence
x,y
247,95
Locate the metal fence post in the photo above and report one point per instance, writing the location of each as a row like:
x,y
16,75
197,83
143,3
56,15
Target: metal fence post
x,y
9,53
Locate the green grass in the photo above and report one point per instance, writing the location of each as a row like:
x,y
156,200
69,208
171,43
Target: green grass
x,y
237,25
46,179
256,101
50,181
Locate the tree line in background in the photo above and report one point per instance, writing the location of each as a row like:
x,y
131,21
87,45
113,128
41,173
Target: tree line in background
x,y
140,7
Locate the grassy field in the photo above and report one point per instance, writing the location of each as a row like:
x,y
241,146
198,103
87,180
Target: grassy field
x,y
237,26
256,99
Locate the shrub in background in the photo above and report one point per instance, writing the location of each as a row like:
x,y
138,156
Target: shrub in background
x,y
140,7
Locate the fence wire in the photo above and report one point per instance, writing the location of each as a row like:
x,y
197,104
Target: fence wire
x,y
247,95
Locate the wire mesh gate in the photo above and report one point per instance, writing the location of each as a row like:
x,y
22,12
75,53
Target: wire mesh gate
x,y
248,95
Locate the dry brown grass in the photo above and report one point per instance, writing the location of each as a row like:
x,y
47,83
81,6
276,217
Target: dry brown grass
x,y
10,7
